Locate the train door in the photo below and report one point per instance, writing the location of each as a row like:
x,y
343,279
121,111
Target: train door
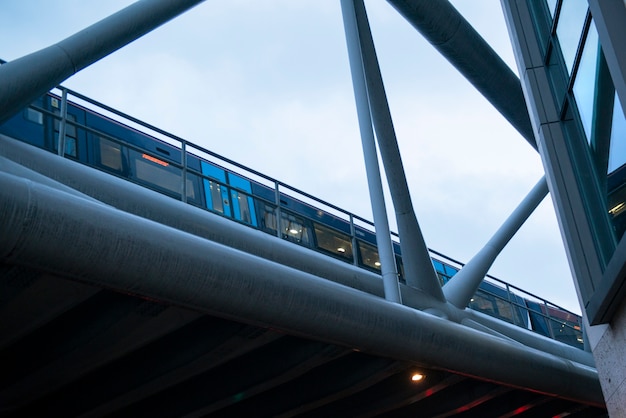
x,y
216,192
75,138
243,204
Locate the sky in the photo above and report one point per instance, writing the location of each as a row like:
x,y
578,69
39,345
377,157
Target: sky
x,y
267,84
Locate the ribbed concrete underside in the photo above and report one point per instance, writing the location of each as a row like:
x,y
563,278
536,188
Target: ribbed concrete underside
x,y
72,349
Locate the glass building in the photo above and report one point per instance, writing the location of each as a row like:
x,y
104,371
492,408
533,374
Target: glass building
x,y
572,84
571,56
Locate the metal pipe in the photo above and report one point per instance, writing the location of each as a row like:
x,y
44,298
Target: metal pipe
x,y
444,27
140,201
388,267
188,271
25,79
462,286
418,268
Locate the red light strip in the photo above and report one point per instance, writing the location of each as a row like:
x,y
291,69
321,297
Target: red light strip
x,y
154,160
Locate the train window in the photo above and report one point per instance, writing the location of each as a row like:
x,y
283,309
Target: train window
x,y
243,204
401,276
294,229
268,221
243,207
483,302
70,135
111,155
160,173
33,115
70,129
505,310
369,256
333,242
217,198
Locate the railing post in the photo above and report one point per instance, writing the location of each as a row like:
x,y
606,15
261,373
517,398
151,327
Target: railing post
x,y
62,122
355,251
508,297
549,318
183,157
278,211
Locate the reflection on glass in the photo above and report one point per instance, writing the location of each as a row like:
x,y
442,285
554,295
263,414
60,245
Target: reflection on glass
x,y
552,6
617,155
569,29
586,80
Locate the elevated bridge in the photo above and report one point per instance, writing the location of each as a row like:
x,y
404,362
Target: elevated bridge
x,y
118,300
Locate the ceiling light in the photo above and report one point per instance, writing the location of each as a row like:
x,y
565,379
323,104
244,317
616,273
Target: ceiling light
x,y
417,377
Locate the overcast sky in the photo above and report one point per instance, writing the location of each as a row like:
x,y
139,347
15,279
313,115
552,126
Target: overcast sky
x,y
267,83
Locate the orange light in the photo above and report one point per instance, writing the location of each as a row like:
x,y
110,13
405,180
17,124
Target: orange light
x,y
417,377
154,160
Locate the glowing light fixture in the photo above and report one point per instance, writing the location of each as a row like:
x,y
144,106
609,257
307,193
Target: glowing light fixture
x,y
617,209
341,250
417,377
377,264
293,231
154,160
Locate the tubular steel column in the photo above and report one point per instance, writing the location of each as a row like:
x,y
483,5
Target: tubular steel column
x,y
383,235
418,267
462,286
25,79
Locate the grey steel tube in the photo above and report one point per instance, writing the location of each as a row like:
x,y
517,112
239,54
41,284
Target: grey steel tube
x,y
463,285
151,205
25,79
388,267
418,268
444,27
108,247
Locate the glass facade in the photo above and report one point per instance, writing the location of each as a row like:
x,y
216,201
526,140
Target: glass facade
x,y
571,80
583,88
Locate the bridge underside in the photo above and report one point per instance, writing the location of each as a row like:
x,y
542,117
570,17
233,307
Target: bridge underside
x,y
73,349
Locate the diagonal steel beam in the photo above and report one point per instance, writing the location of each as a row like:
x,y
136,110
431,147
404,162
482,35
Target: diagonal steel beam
x,y
444,27
418,267
25,79
372,169
462,286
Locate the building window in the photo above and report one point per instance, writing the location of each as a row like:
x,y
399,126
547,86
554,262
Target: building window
x,y
569,29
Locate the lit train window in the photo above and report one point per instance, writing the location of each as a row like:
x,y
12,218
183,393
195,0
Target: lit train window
x,y
293,229
333,242
369,256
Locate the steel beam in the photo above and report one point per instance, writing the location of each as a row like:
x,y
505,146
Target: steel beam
x,y
463,285
25,79
388,268
444,27
418,268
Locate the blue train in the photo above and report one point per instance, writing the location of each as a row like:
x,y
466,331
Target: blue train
x,y
116,148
